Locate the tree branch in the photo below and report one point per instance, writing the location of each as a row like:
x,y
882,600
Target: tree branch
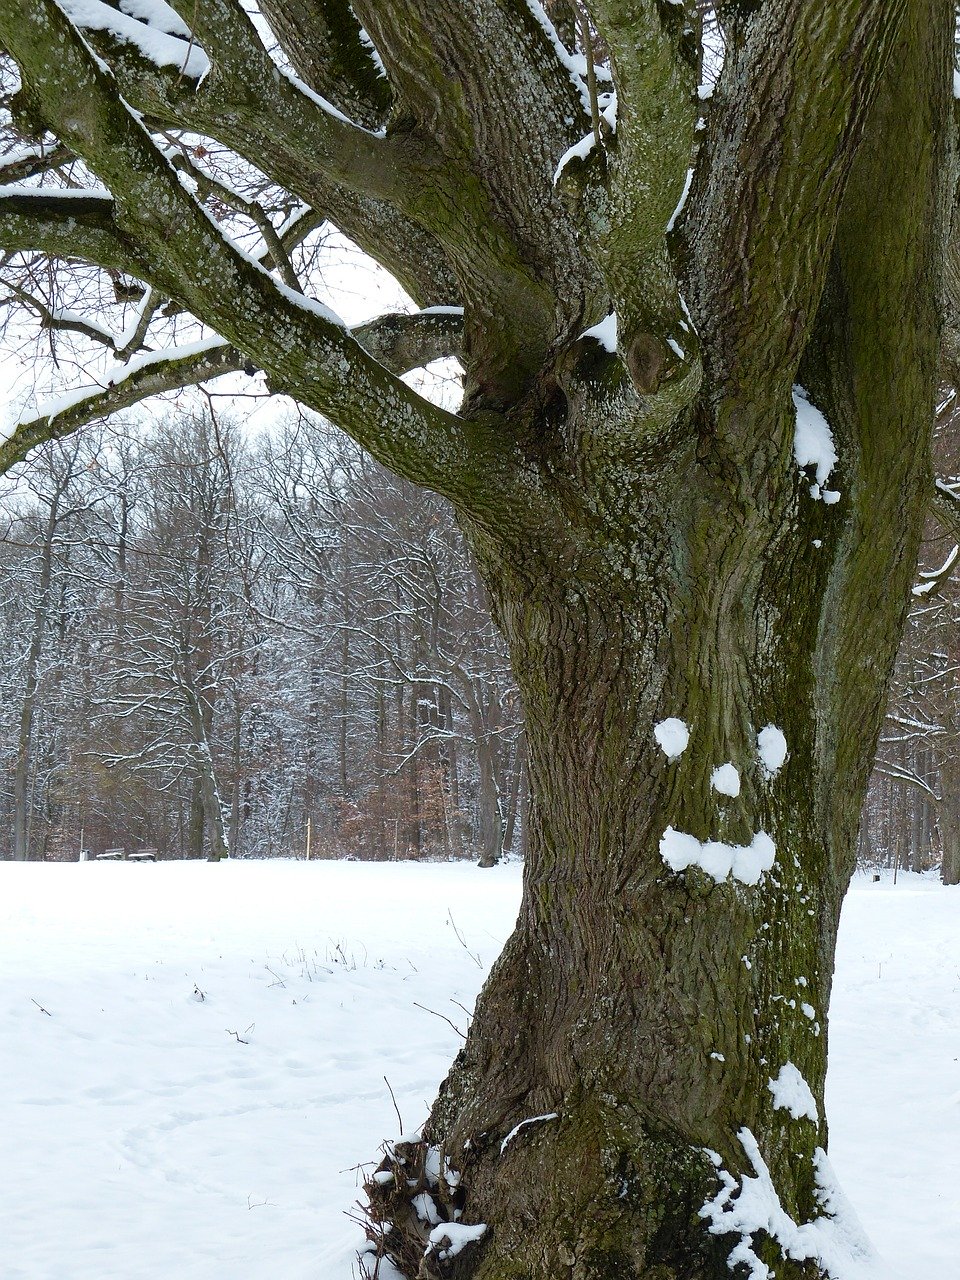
x,y
286,154
945,509
64,322
514,243
402,342
781,139
398,342
347,152
149,377
305,350
66,224
323,42
35,161
655,56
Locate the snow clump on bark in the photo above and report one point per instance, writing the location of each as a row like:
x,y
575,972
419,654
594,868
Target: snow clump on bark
x,y
672,736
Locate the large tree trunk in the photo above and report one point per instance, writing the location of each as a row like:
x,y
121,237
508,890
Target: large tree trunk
x,y
656,1023
646,1007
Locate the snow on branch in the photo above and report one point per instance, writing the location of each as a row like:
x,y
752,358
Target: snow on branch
x,y
945,509
306,351
930,582
151,374
28,162
150,25
901,774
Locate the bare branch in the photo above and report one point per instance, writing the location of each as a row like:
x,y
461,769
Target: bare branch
x,y
399,342
945,508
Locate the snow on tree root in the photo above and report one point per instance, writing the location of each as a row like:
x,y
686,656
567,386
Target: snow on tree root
x,y
413,1227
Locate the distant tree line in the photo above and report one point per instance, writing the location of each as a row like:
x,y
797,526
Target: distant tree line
x,y
911,818
212,644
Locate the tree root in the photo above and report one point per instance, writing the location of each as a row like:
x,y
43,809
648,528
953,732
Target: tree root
x,y
411,1197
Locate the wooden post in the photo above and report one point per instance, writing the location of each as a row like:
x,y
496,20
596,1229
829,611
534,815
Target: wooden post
x,y
82,857
308,839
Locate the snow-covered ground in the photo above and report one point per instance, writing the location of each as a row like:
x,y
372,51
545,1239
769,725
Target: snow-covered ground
x,y
193,1056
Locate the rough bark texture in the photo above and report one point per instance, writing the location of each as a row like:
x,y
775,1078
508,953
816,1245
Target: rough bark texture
x,y
948,815
648,544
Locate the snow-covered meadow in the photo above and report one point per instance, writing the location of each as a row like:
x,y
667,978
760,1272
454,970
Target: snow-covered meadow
x,y
193,1056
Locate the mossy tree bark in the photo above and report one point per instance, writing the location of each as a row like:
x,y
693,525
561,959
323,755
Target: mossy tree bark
x,y
654,1035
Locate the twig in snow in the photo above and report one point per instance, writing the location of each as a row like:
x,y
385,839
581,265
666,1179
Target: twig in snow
x,y
360,1169
276,975
473,956
443,1016
240,1039
41,1008
394,1101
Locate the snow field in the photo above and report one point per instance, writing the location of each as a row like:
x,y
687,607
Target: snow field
x,y
141,1138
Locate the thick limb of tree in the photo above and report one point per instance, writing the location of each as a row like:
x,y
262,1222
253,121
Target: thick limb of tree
x,y
702,632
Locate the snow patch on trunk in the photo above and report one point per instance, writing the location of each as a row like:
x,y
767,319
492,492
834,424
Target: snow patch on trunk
x,y
605,332
772,749
745,862
726,780
792,1093
551,1115
813,445
834,1241
672,736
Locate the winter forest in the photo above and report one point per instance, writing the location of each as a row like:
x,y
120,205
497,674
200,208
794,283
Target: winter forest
x,y
479,639
212,640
